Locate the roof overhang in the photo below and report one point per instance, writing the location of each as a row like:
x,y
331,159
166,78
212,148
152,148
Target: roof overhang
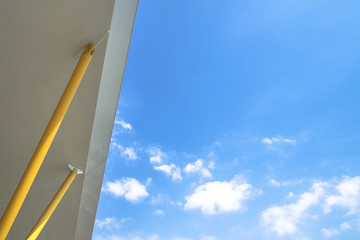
x,y
39,40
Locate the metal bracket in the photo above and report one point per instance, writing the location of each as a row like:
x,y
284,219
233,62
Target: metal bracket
x,y
72,169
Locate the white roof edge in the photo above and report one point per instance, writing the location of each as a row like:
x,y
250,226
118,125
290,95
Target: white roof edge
x,y
108,97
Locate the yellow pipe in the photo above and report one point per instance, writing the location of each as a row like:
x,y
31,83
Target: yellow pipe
x,y
52,206
37,159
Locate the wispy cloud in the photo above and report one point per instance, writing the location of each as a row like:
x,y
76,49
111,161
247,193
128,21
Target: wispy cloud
x,y
156,155
180,238
345,226
275,140
126,152
330,232
283,183
278,184
109,237
198,167
124,125
211,165
115,237
158,199
159,212
343,194
130,188
207,238
170,170
148,182
219,197
129,153
153,237
284,219
110,222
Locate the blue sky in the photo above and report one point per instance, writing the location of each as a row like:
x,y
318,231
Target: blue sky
x,y
237,120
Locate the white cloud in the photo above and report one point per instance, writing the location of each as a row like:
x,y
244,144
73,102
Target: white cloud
x,y
290,195
124,125
347,196
218,197
180,238
212,155
176,176
267,140
153,237
148,182
100,237
330,232
278,184
273,140
126,152
129,153
207,238
156,155
284,219
176,203
211,165
157,199
283,183
110,222
114,237
170,170
342,194
217,143
198,167
345,226
130,188
159,212
163,198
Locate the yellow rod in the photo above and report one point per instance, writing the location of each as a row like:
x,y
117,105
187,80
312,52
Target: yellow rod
x,y
37,159
40,224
